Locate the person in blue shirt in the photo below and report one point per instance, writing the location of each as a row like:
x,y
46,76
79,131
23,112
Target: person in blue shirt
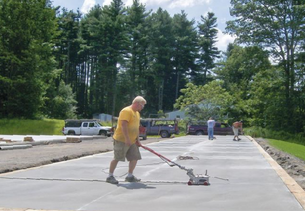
x,y
211,124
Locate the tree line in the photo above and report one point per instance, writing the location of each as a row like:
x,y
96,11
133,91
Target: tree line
x,y
98,62
261,77
61,64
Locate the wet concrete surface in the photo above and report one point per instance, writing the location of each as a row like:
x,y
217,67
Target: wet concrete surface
x,y
240,177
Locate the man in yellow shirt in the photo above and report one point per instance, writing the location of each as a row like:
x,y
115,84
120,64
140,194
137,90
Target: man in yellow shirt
x,y
125,140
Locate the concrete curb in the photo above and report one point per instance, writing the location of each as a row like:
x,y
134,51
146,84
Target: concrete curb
x,y
27,144
19,146
46,142
291,184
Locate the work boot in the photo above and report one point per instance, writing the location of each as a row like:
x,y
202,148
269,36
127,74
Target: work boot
x,y
112,180
132,179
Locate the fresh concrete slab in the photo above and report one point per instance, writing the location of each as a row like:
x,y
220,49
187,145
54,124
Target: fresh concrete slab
x,y
241,179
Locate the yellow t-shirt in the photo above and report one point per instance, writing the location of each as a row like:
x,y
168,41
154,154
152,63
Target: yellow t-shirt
x,y
133,119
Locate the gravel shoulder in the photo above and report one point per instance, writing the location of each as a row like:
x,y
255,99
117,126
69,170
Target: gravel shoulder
x,y
17,159
294,166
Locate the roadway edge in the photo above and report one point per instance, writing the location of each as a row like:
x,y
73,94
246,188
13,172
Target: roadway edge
x,y
291,184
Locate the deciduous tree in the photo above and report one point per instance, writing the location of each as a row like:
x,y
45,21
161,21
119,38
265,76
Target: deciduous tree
x,y
277,26
202,102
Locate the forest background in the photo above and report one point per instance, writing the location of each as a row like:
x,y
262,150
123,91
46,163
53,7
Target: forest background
x,y
61,64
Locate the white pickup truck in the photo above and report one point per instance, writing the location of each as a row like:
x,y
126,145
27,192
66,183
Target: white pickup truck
x,y
85,127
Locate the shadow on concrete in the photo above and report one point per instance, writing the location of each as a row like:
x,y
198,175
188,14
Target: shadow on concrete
x,y
135,185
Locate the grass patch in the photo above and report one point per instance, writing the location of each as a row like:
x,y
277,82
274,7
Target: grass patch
x,y
294,149
279,135
31,127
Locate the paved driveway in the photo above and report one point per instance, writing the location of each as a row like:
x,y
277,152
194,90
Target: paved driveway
x,y
241,178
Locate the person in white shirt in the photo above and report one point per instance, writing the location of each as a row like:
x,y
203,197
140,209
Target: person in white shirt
x,y
211,124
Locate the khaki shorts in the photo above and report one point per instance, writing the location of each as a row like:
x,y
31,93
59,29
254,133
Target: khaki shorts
x,y
235,131
122,151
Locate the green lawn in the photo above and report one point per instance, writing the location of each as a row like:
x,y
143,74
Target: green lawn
x,y
291,148
31,127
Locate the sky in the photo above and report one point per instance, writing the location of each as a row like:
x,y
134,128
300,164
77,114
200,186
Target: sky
x,y
193,8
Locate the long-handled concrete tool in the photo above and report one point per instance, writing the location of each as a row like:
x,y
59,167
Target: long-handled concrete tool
x,y
198,179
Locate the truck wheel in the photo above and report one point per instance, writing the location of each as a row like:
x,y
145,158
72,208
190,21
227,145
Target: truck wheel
x,y
71,132
199,132
103,132
164,134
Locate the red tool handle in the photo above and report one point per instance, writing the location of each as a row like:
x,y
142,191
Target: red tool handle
x,y
169,162
149,149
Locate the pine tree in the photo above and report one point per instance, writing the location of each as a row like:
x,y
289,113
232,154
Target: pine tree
x,y
207,40
26,61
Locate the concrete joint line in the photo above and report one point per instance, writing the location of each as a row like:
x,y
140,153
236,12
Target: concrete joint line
x,y
93,180
52,179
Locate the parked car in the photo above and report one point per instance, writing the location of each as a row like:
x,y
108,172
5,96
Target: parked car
x,y
142,132
202,129
85,127
160,126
